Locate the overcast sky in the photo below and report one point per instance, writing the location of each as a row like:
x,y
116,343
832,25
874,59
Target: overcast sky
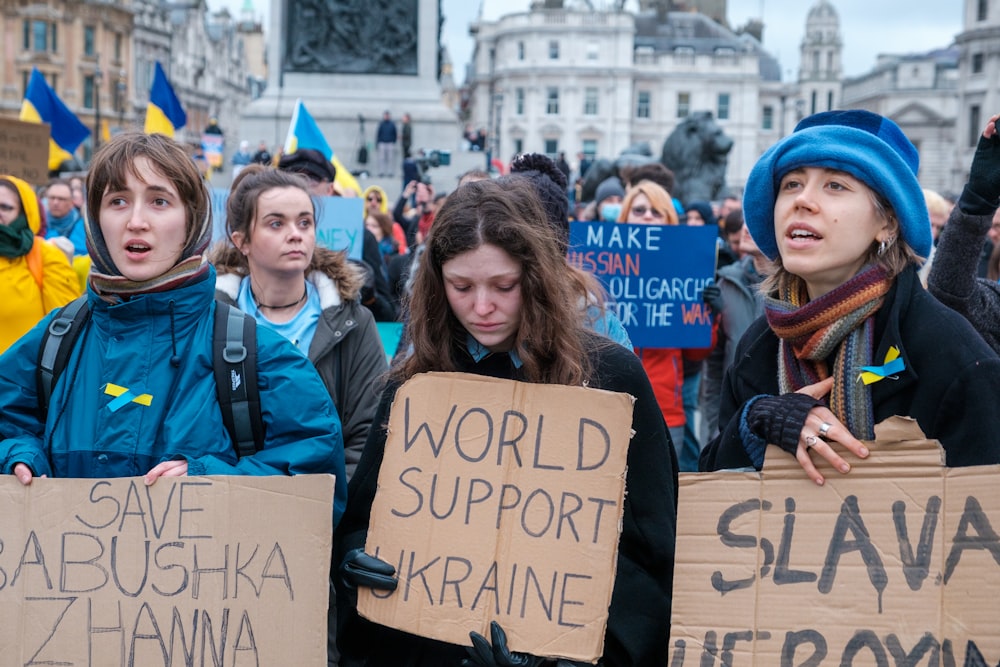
x,y
867,27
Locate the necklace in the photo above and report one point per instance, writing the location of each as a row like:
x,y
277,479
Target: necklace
x,y
302,298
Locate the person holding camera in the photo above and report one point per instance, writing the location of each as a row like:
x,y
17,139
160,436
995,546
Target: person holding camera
x,y
415,209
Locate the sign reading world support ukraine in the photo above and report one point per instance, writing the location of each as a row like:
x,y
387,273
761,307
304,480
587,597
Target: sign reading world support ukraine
x,y
340,223
654,276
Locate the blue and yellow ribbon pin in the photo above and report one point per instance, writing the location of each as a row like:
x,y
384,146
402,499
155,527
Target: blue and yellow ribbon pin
x,y
124,396
893,365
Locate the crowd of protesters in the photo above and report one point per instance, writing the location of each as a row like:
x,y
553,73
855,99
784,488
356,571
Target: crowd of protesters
x,y
832,260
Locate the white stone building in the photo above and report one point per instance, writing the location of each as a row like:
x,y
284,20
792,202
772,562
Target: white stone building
x,y
204,58
596,82
577,80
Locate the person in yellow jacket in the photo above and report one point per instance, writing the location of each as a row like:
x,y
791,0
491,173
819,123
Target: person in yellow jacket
x,y
35,275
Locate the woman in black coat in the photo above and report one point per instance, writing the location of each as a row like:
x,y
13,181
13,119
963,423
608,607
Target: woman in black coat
x,y
849,337
493,296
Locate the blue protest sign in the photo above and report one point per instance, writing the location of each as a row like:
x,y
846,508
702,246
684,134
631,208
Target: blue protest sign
x,y
339,222
654,275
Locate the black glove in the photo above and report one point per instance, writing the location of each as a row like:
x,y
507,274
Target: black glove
x,y
360,569
983,189
779,419
712,295
481,654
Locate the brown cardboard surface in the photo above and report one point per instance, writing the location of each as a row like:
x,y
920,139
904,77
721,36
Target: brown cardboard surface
x,y
190,571
524,533
897,562
24,150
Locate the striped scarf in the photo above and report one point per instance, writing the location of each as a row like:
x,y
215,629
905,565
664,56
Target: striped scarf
x,y
840,323
112,286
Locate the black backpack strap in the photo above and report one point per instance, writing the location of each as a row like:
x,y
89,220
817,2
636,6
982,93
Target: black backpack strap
x,y
234,358
57,345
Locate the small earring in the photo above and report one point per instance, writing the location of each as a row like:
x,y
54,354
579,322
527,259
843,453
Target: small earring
x,y
885,244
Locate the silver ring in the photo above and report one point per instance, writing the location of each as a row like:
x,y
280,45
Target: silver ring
x,y
824,428
810,441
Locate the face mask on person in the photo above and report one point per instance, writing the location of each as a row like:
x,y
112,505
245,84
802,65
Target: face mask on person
x,y
610,212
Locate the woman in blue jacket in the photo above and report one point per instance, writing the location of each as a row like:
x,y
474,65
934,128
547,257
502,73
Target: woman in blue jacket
x,y
137,395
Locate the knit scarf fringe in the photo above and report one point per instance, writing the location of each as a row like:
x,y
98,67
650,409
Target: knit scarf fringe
x,y
839,323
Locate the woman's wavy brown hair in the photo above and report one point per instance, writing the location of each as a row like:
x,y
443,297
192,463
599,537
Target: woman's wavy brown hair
x,y
241,211
551,341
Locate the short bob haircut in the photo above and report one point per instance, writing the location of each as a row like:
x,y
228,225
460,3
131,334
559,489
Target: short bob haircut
x,y
116,159
551,341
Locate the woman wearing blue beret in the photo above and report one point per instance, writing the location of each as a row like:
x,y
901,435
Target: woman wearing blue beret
x,y
849,337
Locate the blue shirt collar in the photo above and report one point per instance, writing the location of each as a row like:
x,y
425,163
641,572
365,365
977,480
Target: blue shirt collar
x,y
478,351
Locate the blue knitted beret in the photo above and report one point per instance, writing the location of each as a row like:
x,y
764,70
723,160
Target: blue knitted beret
x,y
867,146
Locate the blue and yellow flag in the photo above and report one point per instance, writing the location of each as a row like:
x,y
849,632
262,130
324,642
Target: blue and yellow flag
x,y
42,105
303,132
164,114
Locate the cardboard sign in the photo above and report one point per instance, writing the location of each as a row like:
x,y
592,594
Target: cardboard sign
x,y
188,571
895,563
24,150
501,500
654,276
340,222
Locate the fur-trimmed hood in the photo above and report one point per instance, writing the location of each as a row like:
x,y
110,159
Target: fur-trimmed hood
x,y
335,278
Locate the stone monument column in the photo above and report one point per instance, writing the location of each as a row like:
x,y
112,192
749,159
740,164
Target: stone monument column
x,y
350,60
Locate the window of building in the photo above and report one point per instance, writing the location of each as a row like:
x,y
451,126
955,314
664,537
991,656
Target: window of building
x,y
642,105
812,103
593,50
590,102
519,101
89,33
520,50
25,78
552,100
981,10
722,110
552,148
974,125
518,146
684,55
89,91
977,63
829,101
767,118
590,148
553,50
683,104
118,47
39,36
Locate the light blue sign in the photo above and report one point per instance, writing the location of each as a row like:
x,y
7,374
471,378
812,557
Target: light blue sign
x,y
339,222
654,275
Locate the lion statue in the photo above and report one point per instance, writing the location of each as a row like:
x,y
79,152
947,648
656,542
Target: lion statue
x,y
696,151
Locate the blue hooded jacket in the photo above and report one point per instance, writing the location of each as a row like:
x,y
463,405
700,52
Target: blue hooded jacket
x,y
121,407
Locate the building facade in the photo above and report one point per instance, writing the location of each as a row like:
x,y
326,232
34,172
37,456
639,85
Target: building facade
x,y
595,82
98,56
978,79
572,79
84,50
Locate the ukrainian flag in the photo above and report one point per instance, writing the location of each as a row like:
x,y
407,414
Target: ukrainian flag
x,y
303,132
42,105
164,113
